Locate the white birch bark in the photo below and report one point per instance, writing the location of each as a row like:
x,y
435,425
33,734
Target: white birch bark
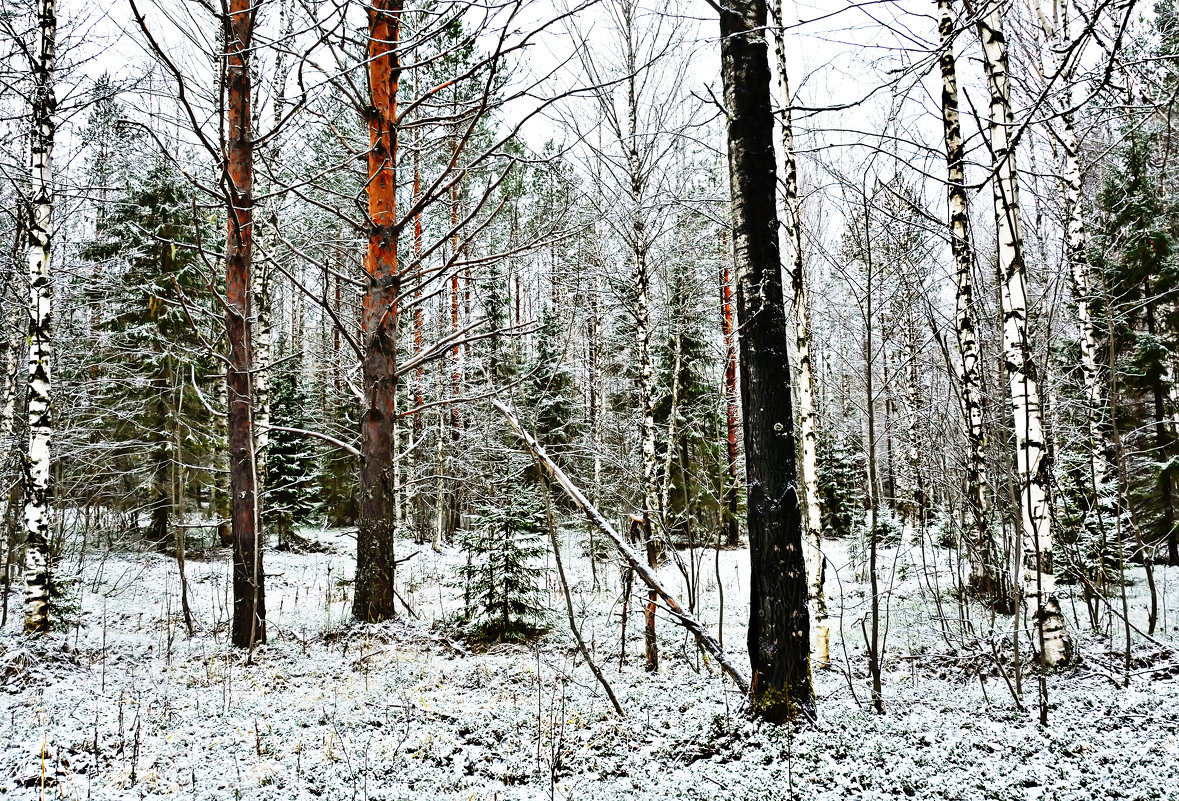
x,y
984,573
1032,469
804,383
38,457
7,416
1101,469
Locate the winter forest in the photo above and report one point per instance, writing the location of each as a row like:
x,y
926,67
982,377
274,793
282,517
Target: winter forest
x,y
570,399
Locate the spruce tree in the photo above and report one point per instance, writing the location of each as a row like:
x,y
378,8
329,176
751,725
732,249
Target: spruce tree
x,y
292,495
155,368
502,574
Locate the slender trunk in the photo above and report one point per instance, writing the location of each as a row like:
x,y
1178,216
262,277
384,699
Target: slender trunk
x,y
980,545
873,478
665,485
1102,474
249,604
642,285
779,623
263,356
413,496
732,415
804,385
374,597
1032,468
11,353
595,404
177,503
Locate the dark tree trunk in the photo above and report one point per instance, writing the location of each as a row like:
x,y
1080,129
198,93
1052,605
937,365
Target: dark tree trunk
x,y
779,624
374,542
1162,441
249,600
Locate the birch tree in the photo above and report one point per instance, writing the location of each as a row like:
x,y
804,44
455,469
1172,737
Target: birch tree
x,y
1033,476
984,576
39,219
804,385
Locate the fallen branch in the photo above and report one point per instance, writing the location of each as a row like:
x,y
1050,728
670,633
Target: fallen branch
x,y
685,618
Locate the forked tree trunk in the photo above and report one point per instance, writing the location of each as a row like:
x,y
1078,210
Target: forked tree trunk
x,y
984,570
779,624
1031,457
374,597
249,600
804,385
38,457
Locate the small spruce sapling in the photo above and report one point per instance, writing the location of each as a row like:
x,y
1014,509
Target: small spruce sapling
x,y
502,574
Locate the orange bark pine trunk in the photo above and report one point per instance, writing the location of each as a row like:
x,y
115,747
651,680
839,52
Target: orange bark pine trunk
x,y
374,542
249,600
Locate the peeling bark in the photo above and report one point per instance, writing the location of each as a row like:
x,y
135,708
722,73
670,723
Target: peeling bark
x,y
374,599
985,575
38,456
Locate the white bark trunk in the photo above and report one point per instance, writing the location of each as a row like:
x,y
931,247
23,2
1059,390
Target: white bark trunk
x,y
38,457
984,574
7,415
1032,469
1101,469
805,382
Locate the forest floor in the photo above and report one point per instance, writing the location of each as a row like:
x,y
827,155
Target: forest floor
x,y
124,705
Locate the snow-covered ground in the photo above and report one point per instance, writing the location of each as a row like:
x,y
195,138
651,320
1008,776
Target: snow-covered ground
x,y
125,705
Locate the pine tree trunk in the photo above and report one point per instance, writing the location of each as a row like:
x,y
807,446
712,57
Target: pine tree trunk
x,y
249,600
1032,467
984,571
374,597
38,457
804,386
779,624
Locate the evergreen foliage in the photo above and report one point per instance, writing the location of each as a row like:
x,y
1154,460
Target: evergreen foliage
x,y
502,574
292,495
840,486
156,382
1133,251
